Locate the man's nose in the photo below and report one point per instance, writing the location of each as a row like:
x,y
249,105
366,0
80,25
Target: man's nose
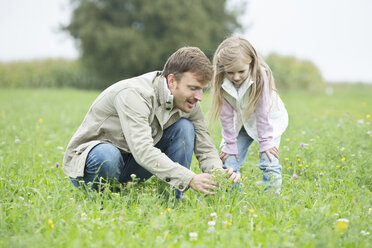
x,y
199,95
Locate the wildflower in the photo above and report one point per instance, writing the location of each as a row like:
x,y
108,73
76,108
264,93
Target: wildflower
x,y
338,166
307,166
361,121
193,236
288,139
214,215
303,144
58,164
321,173
83,216
133,176
298,160
41,120
289,168
365,233
286,159
343,159
370,211
51,224
17,141
251,211
300,165
168,209
243,177
342,224
229,223
368,116
294,176
369,132
211,225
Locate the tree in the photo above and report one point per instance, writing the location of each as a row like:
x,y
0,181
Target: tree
x,y
122,38
292,73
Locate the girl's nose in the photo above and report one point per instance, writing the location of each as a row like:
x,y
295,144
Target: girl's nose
x,y
236,76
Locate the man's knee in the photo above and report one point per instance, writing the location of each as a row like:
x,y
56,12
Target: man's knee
x,y
185,128
105,160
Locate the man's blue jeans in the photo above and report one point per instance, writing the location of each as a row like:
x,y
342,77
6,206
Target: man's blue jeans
x,y
105,161
272,171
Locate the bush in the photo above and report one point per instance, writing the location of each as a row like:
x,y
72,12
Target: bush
x,y
291,73
48,73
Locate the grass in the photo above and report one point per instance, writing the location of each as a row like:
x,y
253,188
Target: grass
x,y
39,207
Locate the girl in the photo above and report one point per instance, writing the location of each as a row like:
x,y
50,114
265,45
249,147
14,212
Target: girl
x,y
249,108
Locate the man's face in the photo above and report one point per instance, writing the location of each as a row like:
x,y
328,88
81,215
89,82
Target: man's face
x,y
186,92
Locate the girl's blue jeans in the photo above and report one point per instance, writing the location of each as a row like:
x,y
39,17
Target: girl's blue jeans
x,y
106,162
272,171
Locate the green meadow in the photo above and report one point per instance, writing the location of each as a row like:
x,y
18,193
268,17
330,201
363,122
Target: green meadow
x,y
326,154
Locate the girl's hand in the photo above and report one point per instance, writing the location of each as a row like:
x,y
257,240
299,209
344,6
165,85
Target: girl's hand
x,y
224,156
274,151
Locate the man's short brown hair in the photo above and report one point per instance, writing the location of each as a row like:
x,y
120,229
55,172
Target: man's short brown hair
x,y
189,59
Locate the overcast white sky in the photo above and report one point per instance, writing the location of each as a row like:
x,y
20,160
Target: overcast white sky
x,y
335,34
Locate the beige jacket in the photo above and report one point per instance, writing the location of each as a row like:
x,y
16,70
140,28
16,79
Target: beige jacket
x,y
129,115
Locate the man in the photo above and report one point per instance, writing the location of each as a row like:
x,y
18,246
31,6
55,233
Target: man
x,y
149,125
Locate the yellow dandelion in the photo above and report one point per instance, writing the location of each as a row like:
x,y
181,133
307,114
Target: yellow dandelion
x,y
298,160
229,223
289,168
168,209
288,139
307,166
286,159
338,166
41,120
300,165
251,211
51,224
343,159
342,224
243,177
368,116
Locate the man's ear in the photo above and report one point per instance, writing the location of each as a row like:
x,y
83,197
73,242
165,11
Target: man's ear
x,y
171,81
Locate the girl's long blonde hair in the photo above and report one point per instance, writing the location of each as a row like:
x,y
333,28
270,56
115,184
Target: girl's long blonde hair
x,y
238,50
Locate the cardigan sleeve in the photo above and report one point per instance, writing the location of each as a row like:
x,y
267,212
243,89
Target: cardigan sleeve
x,y
264,128
228,130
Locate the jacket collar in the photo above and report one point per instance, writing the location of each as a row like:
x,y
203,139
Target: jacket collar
x,y
164,98
229,87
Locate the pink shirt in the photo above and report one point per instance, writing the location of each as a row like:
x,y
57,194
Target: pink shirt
x,y
264,128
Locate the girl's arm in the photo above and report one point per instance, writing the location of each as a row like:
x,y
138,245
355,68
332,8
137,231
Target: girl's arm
x,y
264,128
228,129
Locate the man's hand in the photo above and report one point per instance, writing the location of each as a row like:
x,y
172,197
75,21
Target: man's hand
x,y
202,183
274,151
224,156
234,176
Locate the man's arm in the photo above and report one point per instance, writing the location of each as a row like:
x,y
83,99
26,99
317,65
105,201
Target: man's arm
x,y
134,110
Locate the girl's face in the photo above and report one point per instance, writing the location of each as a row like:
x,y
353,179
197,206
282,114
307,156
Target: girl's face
x,y
237,73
